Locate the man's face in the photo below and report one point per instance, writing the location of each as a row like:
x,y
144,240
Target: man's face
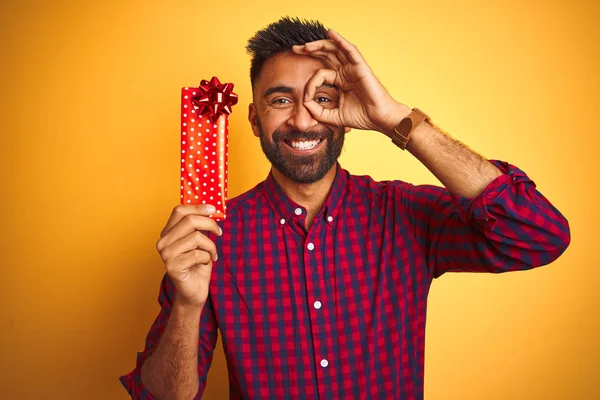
x,y
296,144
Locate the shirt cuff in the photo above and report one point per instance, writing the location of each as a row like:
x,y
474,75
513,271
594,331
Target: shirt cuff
x,y
133,383
477,209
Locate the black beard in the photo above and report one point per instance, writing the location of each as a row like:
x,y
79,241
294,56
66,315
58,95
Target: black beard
x,y
302,169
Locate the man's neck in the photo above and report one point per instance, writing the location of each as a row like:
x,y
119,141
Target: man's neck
x,y
311,196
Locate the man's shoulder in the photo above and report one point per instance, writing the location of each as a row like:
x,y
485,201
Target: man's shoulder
x,y
367,184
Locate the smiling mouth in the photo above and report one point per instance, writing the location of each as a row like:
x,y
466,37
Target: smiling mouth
x,y
303,144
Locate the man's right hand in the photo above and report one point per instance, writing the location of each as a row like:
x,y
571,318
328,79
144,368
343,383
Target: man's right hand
x,y
188,253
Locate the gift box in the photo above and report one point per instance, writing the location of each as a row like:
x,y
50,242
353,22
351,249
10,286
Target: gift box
x,y
205,114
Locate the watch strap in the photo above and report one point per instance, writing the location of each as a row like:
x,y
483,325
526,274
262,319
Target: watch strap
x,y
401,133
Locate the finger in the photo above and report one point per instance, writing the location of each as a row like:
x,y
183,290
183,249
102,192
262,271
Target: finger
x,y
350,50
186,225
182,211
321,114
325,115
324,45
320,77
192,241
330,59
186,261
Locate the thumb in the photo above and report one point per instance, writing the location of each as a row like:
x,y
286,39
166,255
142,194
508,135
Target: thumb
x,y
323,115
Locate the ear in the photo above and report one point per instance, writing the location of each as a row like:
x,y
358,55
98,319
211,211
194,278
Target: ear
x,y
252,117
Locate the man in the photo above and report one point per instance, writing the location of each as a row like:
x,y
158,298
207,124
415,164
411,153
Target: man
x,y
318,279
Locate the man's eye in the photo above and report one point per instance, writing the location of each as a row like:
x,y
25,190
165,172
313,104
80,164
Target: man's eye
x,y
322,99
280,101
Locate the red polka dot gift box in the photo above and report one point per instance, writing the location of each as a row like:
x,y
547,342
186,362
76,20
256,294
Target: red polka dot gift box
x,y
204,131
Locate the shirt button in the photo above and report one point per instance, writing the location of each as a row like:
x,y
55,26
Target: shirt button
x,y
298,211
317,304
282,221
311,246
324,363
330,218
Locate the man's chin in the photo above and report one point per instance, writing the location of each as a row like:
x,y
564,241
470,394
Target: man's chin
x,y
298,167
305,172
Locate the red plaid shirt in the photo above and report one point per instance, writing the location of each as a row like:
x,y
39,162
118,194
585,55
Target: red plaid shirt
x,y
339,311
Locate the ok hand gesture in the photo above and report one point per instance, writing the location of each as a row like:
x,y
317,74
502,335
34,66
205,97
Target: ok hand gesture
x,y
364,103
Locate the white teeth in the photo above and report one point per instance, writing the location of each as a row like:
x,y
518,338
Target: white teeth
x,y
305,145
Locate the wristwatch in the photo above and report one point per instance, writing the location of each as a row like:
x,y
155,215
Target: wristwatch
x,y
402,131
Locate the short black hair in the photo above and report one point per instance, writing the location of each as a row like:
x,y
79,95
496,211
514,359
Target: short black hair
x,y
280,36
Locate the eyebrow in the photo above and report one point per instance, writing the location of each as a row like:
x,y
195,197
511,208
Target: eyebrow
x,y
278,89
287,89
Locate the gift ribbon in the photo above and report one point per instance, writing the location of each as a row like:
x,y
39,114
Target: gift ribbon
x,y
215,98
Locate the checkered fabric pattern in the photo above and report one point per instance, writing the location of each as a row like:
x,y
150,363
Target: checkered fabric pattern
x,y
339,311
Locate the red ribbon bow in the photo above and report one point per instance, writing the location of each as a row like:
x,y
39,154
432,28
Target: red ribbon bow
x,y
215,98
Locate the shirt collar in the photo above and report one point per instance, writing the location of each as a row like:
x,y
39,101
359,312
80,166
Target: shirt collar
x,y
285,208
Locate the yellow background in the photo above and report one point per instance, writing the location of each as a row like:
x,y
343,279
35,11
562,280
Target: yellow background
x,y
89,105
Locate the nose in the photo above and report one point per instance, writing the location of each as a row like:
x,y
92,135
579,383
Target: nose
x,y
301,119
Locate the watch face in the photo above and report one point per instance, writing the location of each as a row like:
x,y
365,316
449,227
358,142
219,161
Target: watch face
x,y
405,126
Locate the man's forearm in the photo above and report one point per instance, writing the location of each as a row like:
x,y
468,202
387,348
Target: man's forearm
x,y
461,170
171,371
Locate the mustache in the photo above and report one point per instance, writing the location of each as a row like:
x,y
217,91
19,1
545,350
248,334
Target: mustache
x,y
301,135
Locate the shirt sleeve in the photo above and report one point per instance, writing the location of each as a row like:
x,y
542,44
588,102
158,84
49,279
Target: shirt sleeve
x,y
207,341
510,226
